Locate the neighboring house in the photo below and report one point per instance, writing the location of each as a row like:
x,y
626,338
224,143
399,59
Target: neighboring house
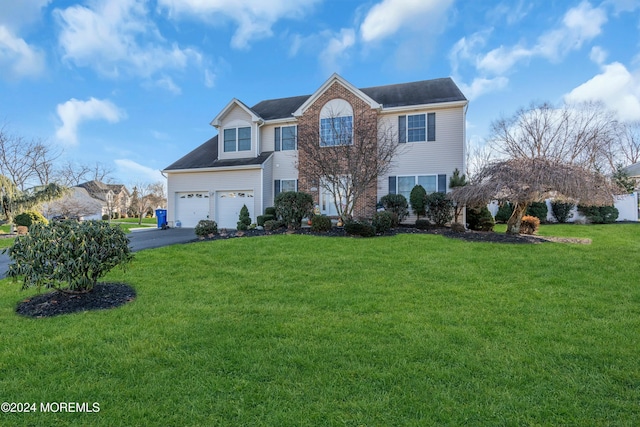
x,y
113,197
634,172
255,154
75,204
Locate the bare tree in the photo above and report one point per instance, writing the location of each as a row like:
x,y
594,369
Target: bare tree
x,y
580,134
522,181
74,204
27,162
347,157
629,144
71,174
146,196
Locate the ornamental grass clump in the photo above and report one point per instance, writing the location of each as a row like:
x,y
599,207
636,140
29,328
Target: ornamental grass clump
x,y
529,224
68,255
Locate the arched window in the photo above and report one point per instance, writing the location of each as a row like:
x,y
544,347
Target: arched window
x,y
336,123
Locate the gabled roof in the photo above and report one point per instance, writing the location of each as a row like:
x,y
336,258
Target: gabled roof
x,y
206,156
96,189
633,170
233,103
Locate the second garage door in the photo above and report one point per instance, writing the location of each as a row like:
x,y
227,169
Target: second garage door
x,y
228,207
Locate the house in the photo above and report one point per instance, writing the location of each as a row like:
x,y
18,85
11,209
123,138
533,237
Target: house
x,y
634,173
255,154
77,203
115,198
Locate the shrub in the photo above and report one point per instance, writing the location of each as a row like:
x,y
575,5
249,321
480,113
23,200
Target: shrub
x,y
264,218
439,208
105,217
244,220
320,223
417,199
480,219
115,215
457,227
539,210
68,253
206,227
423,224
270,211
359,228
529,224
272,224
27,218
599,214
397,204
504,212
561,210
292,206
382,221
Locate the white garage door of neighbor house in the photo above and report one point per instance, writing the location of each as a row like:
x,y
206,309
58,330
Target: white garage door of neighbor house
x,y
229,204
191,207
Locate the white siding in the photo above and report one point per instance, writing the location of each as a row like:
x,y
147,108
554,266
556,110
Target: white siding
x,y
237,180
267,134
237,117
267,185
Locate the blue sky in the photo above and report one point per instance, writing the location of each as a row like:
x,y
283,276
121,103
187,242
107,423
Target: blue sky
x,y
133,84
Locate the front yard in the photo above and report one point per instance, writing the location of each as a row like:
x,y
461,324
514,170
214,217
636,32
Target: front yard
x,y
303,330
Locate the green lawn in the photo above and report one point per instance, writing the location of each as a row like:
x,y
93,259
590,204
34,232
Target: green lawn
x,y
293,330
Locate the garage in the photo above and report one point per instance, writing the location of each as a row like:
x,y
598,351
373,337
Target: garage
x,y
228,207
191,207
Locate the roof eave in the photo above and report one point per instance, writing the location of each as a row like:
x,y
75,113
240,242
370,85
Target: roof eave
x,y
217,120
430,106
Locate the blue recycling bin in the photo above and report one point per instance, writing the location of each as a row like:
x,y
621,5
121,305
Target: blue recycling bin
x,y
161,214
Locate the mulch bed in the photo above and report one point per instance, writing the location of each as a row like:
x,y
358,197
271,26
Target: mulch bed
x,y
103,296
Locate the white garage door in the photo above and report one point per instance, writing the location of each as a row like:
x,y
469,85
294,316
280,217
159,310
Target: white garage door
x,y
229,204
191,207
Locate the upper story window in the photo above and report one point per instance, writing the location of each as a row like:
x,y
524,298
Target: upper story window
x,y
336,123
417,128
285,138
237,139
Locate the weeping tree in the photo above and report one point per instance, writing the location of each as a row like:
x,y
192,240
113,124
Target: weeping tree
x,y
13,200
523,181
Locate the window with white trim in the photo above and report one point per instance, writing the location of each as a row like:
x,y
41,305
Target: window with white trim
x,y
285,138
282,185
417,128
237,139
404,184
336,131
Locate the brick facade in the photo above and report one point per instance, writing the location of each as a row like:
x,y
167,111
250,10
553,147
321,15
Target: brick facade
x,y
362,113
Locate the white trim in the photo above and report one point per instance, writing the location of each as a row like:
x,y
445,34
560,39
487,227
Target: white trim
x,y
217,120
422,107
336,78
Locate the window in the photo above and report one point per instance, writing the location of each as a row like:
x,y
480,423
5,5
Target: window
x,y
285,138
417,128
282,185
336,131
237,139
404,184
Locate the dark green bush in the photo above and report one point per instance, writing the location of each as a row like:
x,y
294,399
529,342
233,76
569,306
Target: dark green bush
x,y
105,217
244,220
359,228
270,211
397,204
68,254
264,218
273,224
599,214
417,199
539,210
561,210
26,219
320,223
292,206
382,221
504,212
205,227
423,224
480,219
439,208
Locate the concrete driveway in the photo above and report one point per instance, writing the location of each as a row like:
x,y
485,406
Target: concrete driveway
x,y
139,240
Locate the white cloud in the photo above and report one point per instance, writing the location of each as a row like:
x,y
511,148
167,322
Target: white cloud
x,y
165,82
616,87
17,14
598,55
389,16
254,18
481,85
17,58
116,37
74,112
336,50
133,172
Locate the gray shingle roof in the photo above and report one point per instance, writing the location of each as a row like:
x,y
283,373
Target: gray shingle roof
x,y
633,170
416,93
206,156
